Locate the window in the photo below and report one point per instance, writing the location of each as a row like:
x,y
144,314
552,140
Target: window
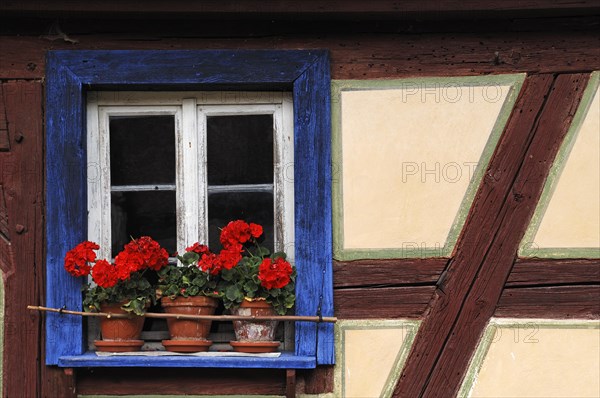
x,y
73,75
179,166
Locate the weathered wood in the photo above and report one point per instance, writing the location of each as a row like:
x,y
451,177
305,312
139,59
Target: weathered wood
x,y
21,179
557,302
66,208
307,72
4,226
357,55
387,9
318,380
532,272
365,273
23,187
180,381
312,212
549,131
4,139
361,56
162,27
286,360
486,249
290,383
377,303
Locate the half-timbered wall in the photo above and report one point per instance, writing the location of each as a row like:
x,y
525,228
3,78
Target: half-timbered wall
x,y
465,192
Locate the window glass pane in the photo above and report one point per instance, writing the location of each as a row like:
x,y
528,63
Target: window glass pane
x,y
142,150
240,149
135,214
256,207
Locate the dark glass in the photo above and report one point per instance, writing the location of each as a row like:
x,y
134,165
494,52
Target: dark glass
x,y
142,150
240,149
135,214
256,207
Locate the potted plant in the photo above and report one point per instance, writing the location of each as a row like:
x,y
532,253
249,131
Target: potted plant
x,y
189,289
121,287
254,283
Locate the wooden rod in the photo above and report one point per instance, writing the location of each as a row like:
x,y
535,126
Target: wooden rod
x,y
302,318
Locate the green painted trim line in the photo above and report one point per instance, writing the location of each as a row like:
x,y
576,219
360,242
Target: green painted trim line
x,y
476,362
337,190
527,247
358,254
511,323
394,376
560,252
411,328
338,86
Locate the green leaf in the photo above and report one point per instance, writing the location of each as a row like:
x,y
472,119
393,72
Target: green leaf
x,y
234,294
263,251
277,255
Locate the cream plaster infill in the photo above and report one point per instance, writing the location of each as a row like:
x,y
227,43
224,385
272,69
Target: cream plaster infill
x,y
408,154
370,355
567,220
536,358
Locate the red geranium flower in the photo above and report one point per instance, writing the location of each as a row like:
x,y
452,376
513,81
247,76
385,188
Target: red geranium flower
x,y
235,233
198,248
141,253
230,257
155,257
274,274
256,230
104,274
210,263
127,262
78,259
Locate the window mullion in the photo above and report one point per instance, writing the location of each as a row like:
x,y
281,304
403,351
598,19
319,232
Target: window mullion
x,y
283,168
104,218
146,187
240,188
201,178
94,186
187,182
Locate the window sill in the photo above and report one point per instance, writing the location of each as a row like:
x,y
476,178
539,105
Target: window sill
x,y
287,360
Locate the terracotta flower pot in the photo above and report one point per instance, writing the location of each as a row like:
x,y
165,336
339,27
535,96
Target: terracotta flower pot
x,y
119,334
188,335
255,336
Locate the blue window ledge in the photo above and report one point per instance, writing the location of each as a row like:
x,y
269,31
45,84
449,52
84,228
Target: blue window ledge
x,y
287,360
70,74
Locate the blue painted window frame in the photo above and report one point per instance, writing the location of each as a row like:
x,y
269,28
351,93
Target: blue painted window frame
x,y
70,74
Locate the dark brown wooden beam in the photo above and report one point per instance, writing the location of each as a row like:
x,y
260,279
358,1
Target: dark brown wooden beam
x,y
536,271
181,381
317,381
21,250
262,9
365,273
487,247
353,55
290,383
377,303
4,139
557,302
549,132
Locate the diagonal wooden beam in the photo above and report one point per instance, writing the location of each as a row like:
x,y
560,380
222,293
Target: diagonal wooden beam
x,y
467,294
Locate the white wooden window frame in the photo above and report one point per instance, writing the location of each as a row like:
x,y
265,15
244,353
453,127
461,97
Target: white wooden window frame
x,y
190,110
